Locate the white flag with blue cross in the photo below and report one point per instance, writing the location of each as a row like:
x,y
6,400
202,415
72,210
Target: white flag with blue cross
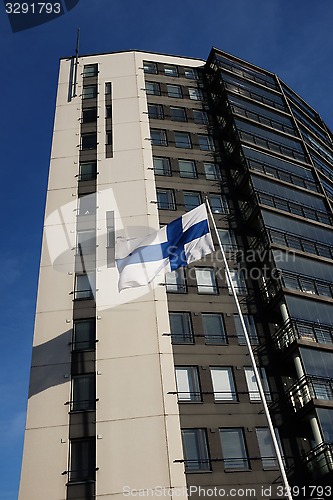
x,y
180,242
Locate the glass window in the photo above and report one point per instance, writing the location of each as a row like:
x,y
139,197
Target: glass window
x,y
174,91
175,281
181,328
183,140
87,204
89,92
178,114
223,384
195,94
187,168
238,280
233,448
155,111
206,143
187,381
87,171
252,385
170,70
214,330
89,115
153,88
86,242
206,280
250,328
108,138
228,239
84,334
266,447
90,70
89,141
108,88
83,392
200,117
161,165
82,460
325,416
165,199
192,199
219,204
195,450
108,111
191,73
158,137
150,67
84,286
212,171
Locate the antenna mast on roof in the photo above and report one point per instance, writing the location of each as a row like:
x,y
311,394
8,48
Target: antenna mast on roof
x,y
76,61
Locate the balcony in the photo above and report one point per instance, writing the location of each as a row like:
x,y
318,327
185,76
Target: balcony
x,y
296,329
308,388
298,283
319,461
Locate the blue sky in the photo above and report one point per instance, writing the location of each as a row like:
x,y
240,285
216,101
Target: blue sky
x,y
291,38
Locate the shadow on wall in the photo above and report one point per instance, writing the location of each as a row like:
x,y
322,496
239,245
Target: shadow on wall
x,y
50,363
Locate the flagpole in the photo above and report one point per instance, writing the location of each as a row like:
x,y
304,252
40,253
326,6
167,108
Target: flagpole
x,y
254,365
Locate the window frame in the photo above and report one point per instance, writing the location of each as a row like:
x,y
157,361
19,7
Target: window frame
x,y
86,74
213,286
202,461
186,336
185,173
243,460
227,381
171,203
181,143
163,140
166,172
174,95
89,95
190,381
214,339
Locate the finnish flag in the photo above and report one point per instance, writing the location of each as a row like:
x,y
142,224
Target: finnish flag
x,y
184,240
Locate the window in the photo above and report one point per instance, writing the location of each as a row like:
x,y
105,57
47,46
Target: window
x,y
250,328
150,67
108,138
219,204
200,117
214,330
228,239
84,286
223,384
206,280
108,88
87,171
238,280
252,385
89,115
266,447
90,70
206,143
87,204
195,450
178,114
165,199
187,381
233,448
158,137
183,140
84,334
161,165
170,70
89,92
82,460
174,91
187,168
192,199
191,73
195,94
83,392
155,111
181,328
153,88
212,171
89,141
175,281
108,111
86,242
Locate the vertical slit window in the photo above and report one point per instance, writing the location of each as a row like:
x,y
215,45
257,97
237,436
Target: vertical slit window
x,y
82,460
84,334
83,392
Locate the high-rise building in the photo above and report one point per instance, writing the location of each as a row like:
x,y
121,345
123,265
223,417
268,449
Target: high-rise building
x,y
153,387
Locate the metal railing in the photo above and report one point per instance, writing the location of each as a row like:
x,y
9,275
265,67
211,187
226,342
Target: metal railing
x,y
298,329
308,388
